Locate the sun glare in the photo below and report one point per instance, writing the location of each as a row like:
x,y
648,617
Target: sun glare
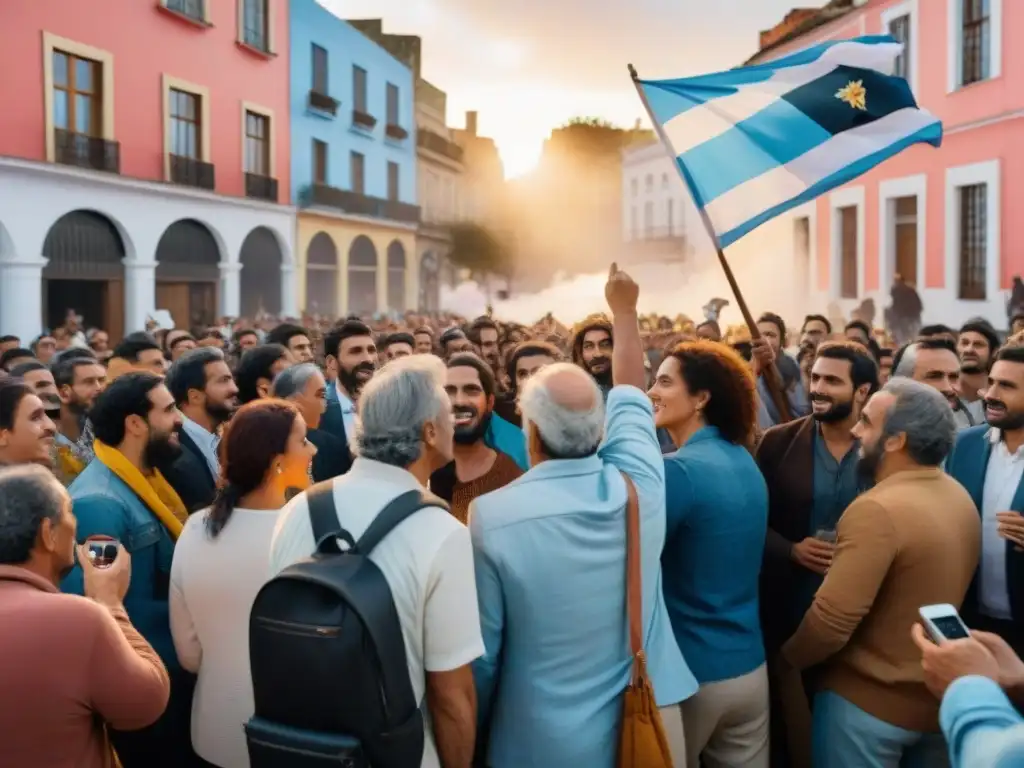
x,y
519,157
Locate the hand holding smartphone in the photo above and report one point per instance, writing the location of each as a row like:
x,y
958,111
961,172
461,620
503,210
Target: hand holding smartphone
x,y
943,623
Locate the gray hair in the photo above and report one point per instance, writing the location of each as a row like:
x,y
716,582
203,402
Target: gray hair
x,y
566,433
924,416
396,404
29,494
908,362
292,381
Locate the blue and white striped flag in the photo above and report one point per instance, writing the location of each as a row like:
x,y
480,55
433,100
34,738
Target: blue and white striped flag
x,y
754,142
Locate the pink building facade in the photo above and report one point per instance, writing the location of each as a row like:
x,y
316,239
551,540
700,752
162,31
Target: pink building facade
x,y
947,220
144,162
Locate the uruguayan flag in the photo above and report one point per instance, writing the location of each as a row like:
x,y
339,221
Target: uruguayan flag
x,y
754,142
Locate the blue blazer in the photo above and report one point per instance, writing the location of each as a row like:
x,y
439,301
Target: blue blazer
x,y
103,504
549,551
333,423
716,503
968,463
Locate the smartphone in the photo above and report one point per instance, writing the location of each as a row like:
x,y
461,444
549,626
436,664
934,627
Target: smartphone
x,y
102,550
943,623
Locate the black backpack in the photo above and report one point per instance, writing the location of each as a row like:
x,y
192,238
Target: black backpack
x,y
330,676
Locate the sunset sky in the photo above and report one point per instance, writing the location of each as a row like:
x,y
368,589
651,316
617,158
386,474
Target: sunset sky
x,y
529,65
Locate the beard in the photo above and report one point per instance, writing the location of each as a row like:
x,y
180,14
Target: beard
x,y
161,451
972,365
867,466
350,378
220,413
1006,419
474,431
838,411
604,375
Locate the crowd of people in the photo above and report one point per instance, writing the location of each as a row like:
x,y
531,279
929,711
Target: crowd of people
x,y
800,497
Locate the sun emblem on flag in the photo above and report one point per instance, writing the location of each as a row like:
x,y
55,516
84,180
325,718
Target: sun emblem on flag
x,y
855,94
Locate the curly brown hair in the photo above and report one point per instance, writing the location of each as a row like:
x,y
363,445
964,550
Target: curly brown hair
x,y
716,368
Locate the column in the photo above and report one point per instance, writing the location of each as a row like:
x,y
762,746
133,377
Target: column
x,y
139,294
289,291
230,289
21,297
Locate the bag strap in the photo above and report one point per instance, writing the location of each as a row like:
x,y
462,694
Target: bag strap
x,y
394,513
634,580
323,517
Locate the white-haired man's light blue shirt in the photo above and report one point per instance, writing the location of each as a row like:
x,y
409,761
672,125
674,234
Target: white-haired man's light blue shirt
x,y
981,726
549,553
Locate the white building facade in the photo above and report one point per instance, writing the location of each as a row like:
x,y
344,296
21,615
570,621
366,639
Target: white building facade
x,y
118,249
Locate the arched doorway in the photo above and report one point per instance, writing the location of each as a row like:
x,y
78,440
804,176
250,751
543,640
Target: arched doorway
x,y
322,276
84,272
261,273
187,274
430,283
396,276
362,277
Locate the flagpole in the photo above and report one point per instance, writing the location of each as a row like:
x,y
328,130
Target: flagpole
x,y
773,379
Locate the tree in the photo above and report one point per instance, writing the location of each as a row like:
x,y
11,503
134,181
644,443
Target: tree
x,y
480,250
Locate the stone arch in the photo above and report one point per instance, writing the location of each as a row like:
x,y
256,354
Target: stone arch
x,y
84,271
430,283
362,276
261,258
322,275
188,252
396,276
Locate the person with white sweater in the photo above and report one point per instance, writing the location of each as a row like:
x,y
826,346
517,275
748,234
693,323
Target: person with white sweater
x,y
220,563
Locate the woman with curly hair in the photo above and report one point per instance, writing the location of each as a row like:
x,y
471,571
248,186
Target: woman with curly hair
x,y
716,518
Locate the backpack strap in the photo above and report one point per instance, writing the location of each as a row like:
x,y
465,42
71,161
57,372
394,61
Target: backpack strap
x,y
394,513
323,517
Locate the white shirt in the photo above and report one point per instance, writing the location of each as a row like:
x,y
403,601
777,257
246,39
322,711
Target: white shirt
x,y
1001,480
213,585
348,411
427,561
207,443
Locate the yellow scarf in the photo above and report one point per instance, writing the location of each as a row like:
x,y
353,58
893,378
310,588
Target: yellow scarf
x,y
68,464
157,494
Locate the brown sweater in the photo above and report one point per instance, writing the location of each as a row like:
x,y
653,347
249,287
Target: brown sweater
x,y
912,540
502,472
67,666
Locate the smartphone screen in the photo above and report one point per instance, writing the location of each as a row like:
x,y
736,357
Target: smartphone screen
x,y
951,627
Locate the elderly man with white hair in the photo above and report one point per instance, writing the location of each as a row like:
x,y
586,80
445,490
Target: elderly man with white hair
x,y
304,385
405,432
551,567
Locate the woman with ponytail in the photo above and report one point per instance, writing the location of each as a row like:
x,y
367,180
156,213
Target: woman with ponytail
x,y
222,559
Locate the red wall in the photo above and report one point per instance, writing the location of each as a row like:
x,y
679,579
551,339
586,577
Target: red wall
x,y
146,43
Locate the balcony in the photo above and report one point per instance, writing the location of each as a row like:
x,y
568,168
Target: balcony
x,y
364,120
191,172
438,144
86,151
358,204
660,244
260,187
396,132
323,102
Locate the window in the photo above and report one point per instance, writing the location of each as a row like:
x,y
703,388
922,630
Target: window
x,y
905,238
257,144
973,245
670,210
975,42
802,251
191,8
848,252
392,181
320,69
186,124
664,181
255,24
319,161
77,95
649,183
392,103
648,218
359,89
633,187
900,29
358,173
633,233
